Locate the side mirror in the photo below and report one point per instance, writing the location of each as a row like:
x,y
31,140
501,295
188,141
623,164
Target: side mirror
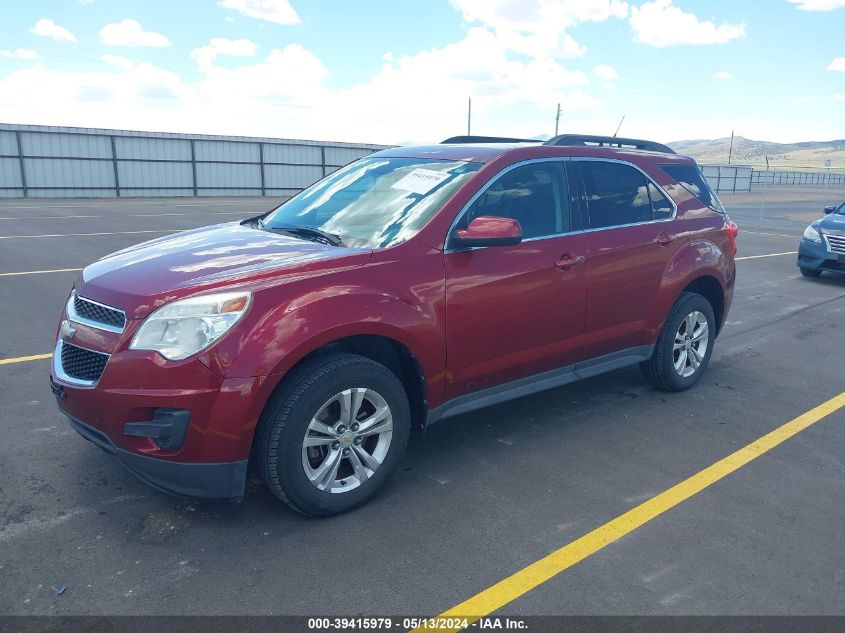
x,y
829,210
488,230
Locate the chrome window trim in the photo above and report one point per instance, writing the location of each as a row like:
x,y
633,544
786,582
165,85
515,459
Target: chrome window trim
x,y
73,316
504,171
59,371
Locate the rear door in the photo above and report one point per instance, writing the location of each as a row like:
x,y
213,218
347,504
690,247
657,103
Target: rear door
x,y
515,311
632,236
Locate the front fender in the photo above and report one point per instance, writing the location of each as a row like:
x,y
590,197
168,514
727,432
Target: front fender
x,y
285,334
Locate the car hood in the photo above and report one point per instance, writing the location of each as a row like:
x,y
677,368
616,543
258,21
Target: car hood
x,y
141,278
834,223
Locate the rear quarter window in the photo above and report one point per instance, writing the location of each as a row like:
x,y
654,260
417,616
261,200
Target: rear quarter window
x,y
691,179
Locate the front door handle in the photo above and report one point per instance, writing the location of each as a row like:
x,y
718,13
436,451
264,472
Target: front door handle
x,y
567,261
664,239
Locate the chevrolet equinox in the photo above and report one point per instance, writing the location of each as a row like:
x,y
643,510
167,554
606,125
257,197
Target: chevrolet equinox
x,y
415,284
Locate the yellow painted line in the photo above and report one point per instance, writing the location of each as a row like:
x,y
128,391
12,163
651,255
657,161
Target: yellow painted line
x,y
24,359
528,578
40,272
15,237
769,255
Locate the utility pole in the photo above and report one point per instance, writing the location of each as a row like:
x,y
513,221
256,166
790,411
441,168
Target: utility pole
x,y
731,149
557,119
469,115
619,127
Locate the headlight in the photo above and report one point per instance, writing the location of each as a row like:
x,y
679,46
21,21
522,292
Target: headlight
x,y
812,235
182,328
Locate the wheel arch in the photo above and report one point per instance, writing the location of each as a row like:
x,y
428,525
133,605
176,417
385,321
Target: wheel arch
x,y
709,287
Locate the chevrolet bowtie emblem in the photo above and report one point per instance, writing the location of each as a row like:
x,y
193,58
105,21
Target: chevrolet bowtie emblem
x,y
67,330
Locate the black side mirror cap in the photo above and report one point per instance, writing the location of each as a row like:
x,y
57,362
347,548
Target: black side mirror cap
x,y
829,210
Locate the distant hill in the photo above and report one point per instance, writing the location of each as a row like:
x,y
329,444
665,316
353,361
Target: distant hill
x,y
748,152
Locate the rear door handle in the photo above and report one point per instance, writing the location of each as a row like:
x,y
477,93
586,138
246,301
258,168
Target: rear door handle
x,y
664,239
567,261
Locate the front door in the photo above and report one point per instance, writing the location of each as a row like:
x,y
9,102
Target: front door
x,y
515,311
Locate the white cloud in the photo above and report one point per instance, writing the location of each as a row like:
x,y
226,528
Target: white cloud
x,y
205,55
276,11
131,33
420,97
20,53
818,5
607,73
660,24
723,75
837,65
118,61
539,27
48,28
838,97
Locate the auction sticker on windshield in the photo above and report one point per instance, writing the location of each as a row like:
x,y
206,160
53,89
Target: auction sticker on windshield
x,y
420,181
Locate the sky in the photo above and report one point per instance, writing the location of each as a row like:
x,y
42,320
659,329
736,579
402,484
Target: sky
x,y
384,71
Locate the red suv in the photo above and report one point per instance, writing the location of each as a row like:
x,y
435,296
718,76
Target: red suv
x,y
410,286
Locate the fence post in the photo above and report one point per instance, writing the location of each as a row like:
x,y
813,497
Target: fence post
x,y
323,158
114,165
261,166
21,164
194,166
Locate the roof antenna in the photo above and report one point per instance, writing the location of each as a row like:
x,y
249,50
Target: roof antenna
x,y
618,127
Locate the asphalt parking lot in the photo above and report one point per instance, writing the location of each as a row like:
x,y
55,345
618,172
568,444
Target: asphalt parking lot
x,y
476,498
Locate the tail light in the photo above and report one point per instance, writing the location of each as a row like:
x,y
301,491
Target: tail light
x,y
732,230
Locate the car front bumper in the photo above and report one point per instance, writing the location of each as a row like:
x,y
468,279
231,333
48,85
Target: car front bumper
x,y
224,480
817,257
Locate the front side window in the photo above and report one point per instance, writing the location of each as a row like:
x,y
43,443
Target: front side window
x,y
534,194
374,202
617,194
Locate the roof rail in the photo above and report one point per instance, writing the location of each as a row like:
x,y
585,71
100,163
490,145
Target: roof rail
x,y
487,139
586,140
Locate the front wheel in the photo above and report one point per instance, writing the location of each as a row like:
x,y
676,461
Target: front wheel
x,y
809,272
684,346
333,433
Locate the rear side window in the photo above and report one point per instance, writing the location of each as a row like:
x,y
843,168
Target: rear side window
x,y
691,179
617,194
660,204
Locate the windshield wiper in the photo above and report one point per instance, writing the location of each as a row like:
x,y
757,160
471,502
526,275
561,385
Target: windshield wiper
x,y
305,232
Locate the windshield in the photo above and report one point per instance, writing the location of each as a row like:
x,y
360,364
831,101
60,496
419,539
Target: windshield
x,y
374,202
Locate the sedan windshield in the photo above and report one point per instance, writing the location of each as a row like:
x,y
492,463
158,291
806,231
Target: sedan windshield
x,y
374,202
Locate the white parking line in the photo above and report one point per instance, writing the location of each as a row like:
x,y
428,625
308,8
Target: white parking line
x,y
769,255
122,215
15,237
41,272
795,237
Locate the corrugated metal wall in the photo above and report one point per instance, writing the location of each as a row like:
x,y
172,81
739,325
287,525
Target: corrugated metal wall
x,y
58,162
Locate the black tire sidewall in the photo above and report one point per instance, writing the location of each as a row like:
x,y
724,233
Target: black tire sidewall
x,y
687,304
300,492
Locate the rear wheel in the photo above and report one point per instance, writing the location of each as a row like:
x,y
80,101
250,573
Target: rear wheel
x,y
809,272
333,434
684,346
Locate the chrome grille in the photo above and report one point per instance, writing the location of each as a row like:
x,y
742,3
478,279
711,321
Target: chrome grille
x,y
836,243
98,313
83,364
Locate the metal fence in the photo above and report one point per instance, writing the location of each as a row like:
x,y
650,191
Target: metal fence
x,y
46,161
732,178
808,178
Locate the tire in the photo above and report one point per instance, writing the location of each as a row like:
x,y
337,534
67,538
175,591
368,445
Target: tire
x,y
809,272
661,369
310,402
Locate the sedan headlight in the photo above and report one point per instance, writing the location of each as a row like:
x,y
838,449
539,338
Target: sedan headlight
x,y
812,235
183,328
